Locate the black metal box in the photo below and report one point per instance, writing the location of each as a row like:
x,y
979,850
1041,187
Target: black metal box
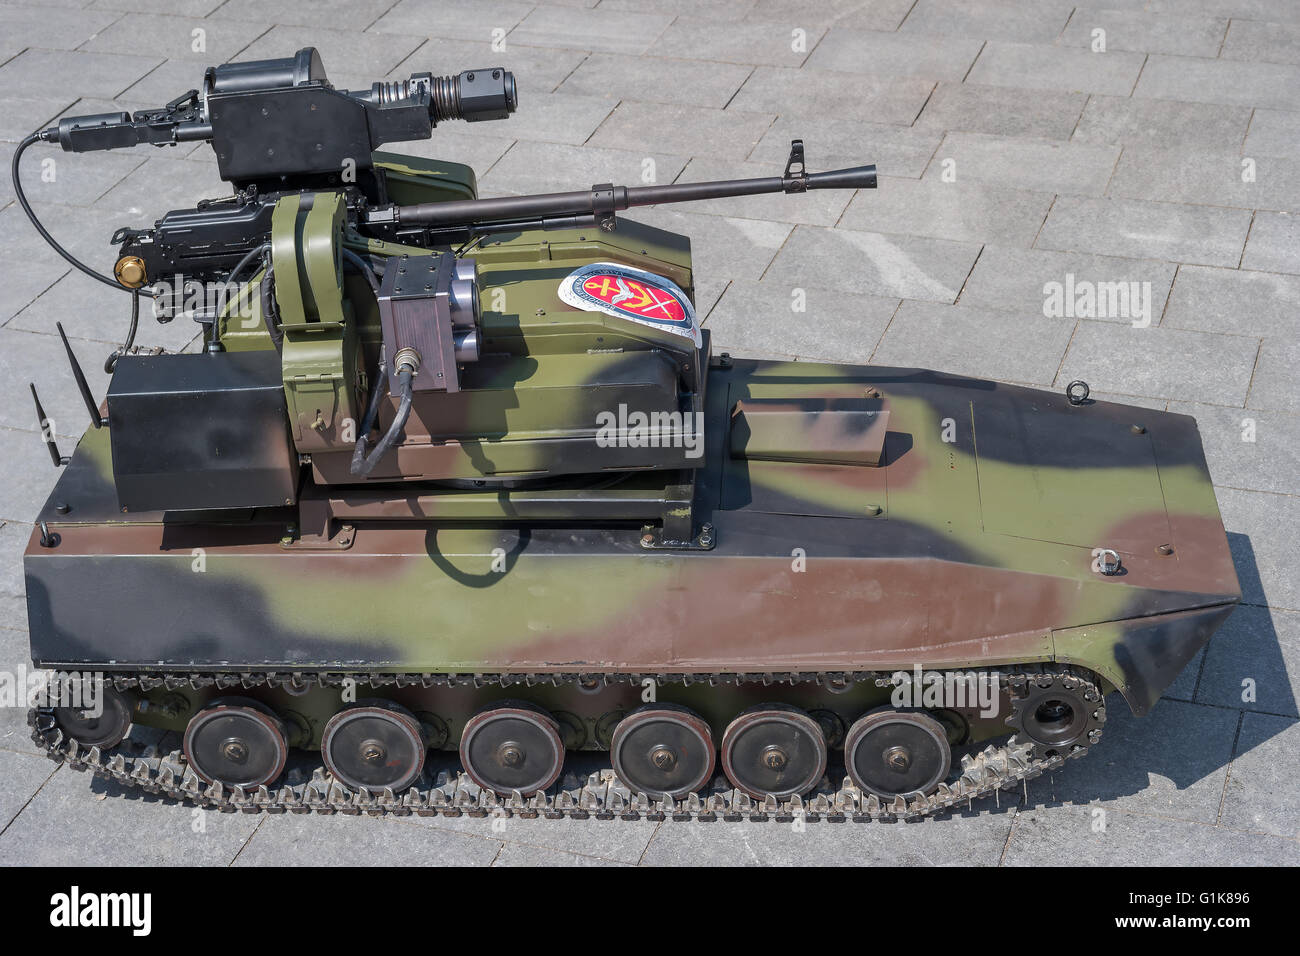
x,y
199,432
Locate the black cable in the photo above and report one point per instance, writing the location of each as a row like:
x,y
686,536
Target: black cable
x,y
27,208
364,266
111,362
363,464
270,310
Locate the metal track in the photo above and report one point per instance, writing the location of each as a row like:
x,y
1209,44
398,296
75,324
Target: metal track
x,y
600,796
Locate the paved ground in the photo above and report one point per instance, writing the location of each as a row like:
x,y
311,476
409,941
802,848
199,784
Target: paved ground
x,y
1012,155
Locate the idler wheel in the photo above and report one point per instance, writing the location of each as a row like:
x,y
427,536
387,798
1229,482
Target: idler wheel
x,y
103,731
514,745
774,749
663,749
375,744
236,741
897,753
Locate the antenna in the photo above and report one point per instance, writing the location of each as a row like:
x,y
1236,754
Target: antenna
x,y
80,376
47,430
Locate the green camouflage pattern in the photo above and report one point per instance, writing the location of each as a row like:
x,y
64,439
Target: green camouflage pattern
x,y
841,518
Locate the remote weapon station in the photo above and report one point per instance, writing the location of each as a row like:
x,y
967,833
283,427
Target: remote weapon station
x,y
456,488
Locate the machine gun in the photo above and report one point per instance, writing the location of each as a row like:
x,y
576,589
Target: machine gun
x,y
279,127
312,197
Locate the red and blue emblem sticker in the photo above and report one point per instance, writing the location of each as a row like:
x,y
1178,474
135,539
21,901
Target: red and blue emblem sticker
x,y
633,294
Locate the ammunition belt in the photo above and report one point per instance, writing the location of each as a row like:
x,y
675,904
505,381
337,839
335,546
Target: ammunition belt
x,y
601,795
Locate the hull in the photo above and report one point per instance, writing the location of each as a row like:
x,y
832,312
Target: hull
x,y
970,544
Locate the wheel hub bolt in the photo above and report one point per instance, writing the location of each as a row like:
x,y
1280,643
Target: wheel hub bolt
x,y
663,758
372,752
898,759
511,755
236,751
774,759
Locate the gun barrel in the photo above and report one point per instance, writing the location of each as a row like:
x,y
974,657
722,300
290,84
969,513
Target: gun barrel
x,y
607,199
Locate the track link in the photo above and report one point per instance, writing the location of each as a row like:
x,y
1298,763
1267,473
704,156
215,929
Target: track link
x,y
600,795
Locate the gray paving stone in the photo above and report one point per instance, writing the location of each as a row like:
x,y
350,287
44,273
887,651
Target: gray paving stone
x,y
519,854
902,54
24,774
1146,32
24,357
50,175
1245,9
20,115
1021,347
73,809
13,595
480,153
1212,177
15,657
65,302
1260,645
1262,531
853,14
290,840
656,80
722,248
728,11
757,43
610,31
1261,794
971,840
1002,111
622,842
833,327
536,70
1171,762
990,19
29,474
1017,279
551,118
1128,227
658,127
161,183
1263,42
1198,80
877,98
1271,462
962,211
1041,67
1160,362
1273,133
339,14
903,267
188,8
821,207
84,74
1064,836
1184,686
1162,123
48,27
460,19
835,142
1274,244
1044,165
1235,301
173,37
1274,384
546,167
344,51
